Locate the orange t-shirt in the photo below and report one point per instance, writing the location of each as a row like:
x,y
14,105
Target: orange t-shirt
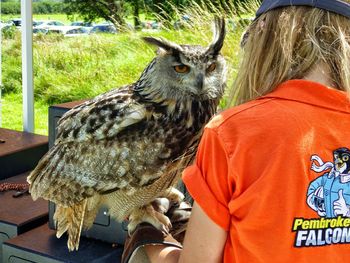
x,y
275,174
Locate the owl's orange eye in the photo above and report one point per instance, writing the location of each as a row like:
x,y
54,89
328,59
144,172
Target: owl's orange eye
x,y
182,68
211,68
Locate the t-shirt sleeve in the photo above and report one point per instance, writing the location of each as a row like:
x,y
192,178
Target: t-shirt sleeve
x,y
207,179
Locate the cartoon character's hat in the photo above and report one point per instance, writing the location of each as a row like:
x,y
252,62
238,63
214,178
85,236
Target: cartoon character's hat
x,y
335,6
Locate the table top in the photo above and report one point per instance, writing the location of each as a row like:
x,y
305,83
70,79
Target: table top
x,y
68,105
21,210
14,141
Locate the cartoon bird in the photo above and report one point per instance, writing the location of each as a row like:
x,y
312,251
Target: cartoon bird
x,y
129,146
342,160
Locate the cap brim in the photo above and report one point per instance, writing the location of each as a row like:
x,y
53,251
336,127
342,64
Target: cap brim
x,y
335,6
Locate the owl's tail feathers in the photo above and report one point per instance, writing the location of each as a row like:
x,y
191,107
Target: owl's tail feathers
x,y
91,211
70,220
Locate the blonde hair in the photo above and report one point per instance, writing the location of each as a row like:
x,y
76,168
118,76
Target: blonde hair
x,y
285,44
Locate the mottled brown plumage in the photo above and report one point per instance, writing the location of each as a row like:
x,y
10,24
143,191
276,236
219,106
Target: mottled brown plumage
x,y
128,146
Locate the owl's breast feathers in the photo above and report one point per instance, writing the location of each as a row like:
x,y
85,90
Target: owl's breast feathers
x,y
118,140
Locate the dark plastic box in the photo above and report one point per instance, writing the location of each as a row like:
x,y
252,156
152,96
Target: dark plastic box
x,y
40,245
104,228
18,215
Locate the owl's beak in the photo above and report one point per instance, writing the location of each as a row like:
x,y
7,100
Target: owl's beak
x,y
200,81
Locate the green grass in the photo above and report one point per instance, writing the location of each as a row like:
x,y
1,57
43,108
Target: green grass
x,y
73,69
60,17
12,117
68,20
68,69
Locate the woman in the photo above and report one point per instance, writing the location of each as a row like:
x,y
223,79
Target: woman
x,y
271,181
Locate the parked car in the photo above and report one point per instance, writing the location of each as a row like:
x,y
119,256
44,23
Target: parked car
x,y
36,23
15,22
77,32
104,28
40,31
46,24
82,23
87,25
68,31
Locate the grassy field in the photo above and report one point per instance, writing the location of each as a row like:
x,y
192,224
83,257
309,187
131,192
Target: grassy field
x,y
12,113
68,69
63,18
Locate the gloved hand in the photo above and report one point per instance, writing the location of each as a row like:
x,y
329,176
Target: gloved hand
x,y
146,234
340,207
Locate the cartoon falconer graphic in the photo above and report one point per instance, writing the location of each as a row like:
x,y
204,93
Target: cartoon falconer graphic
x,y
329,194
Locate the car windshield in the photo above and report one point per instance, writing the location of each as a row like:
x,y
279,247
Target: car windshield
x,y
39,30
37,23
77,23
104,29
77,31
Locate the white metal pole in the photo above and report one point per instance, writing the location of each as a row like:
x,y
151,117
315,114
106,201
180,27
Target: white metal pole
x,y
27,65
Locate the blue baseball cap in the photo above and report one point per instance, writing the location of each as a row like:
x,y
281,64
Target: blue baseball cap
x,y
335,6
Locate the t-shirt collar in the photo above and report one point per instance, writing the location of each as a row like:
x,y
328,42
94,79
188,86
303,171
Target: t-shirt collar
x,y
312,93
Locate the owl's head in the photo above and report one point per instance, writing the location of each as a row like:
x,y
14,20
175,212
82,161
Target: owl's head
x,y
187,71
342,160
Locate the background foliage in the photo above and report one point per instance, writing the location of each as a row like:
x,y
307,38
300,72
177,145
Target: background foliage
x,y
67,69
42,7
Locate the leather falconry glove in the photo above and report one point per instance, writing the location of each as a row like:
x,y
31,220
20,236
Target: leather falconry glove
x,y
146,234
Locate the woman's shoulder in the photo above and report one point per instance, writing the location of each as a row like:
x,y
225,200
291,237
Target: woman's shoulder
x,y
252,111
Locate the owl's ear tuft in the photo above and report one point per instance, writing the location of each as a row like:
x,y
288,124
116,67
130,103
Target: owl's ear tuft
x,y
219,37
165,45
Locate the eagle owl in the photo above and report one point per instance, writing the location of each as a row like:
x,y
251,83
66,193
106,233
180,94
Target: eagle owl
x,y
129,146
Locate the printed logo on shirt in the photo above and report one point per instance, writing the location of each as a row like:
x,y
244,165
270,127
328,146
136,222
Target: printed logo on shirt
x,y
329,196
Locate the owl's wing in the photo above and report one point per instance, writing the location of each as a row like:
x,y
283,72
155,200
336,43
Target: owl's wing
x,y
101,118
88,155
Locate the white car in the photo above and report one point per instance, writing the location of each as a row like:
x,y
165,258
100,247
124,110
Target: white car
x,y
47,24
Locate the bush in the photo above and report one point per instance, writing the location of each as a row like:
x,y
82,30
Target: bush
x,y
11,64
9,32
10,8
46,7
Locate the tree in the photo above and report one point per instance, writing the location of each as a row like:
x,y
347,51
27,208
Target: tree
x,y
110,10
165,8
136,6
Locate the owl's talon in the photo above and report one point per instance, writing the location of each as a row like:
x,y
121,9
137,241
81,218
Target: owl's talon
x,y
131,228
165,229
150,215
175,196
